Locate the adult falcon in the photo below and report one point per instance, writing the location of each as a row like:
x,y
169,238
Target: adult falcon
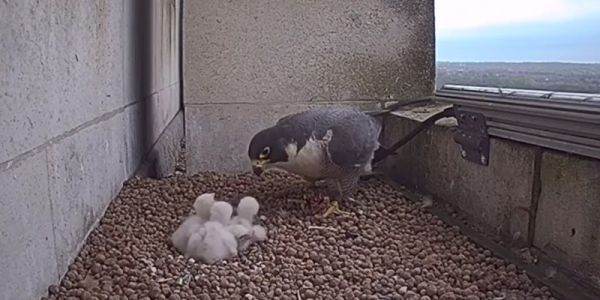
x,y
335,144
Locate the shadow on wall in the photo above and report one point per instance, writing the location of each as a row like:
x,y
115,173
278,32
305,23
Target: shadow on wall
x,y
142,64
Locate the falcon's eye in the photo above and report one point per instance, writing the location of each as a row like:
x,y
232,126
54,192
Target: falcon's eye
x,y
265,153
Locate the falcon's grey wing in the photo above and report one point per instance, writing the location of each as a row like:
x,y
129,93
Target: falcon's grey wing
x,y
299,125
318,120
314,122
355,138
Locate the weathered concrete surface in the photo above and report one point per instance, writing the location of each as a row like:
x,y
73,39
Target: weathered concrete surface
x,y
163,156
272,52
85,172
218,144
161,66
497,196
63,67
87,88
567,222
27,249
168,146
161,108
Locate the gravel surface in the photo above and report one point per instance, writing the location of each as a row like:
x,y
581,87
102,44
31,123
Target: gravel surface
x,y
390,248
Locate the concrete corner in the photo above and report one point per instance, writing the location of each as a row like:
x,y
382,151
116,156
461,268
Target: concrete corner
x,y
162,159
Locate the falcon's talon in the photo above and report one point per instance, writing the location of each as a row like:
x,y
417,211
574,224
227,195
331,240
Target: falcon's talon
x,y
334,209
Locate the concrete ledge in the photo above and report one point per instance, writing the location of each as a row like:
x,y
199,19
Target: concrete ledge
x,y
497,196
527,198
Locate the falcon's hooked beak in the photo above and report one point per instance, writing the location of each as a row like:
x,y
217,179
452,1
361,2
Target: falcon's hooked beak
x,y
258,166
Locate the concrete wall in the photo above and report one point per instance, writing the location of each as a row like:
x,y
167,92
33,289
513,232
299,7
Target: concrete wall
x,y
527,197
78,112
249,63
567,224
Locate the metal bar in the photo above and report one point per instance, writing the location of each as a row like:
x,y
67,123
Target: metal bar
x,y
512,99
546,134
571,127
550,143
523,93
568,122
526,105
559,103
557,114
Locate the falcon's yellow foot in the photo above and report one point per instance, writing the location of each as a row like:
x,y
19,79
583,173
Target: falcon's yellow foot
x,y
334,209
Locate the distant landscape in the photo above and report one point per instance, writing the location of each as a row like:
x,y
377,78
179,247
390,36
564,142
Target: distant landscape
x,y
558,77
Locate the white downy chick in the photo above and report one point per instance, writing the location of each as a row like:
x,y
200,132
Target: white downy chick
x,y
241,225
202,207
246,210
214,242
254,234
203,204
221,212
259,233
181,236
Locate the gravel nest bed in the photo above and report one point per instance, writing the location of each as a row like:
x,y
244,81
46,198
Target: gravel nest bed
x,y
389,248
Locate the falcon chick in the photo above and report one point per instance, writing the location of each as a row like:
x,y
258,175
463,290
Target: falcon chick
x,y
335,144
193,223
213,242
203,204
246,210
241,226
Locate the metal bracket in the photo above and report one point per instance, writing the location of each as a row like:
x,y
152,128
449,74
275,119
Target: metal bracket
x,y
472,136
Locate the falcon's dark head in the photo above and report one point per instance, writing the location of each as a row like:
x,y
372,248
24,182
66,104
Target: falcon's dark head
x,y
268,147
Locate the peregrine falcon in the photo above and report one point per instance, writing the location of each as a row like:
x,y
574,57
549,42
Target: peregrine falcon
x,y
335,144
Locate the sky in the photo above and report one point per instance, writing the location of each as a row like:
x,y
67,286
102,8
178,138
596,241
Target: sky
x,y
518,30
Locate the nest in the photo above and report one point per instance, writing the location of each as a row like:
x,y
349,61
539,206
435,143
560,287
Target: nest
x,y
387,248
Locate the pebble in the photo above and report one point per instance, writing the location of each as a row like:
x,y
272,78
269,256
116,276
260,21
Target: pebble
x,y
388,248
